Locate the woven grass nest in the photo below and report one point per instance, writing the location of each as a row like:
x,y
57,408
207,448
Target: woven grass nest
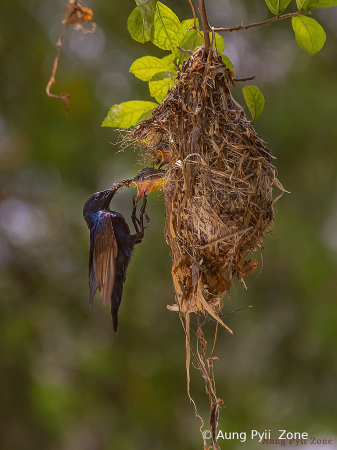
x,y
218,186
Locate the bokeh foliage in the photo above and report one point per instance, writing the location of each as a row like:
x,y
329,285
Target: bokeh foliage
x,y
67,382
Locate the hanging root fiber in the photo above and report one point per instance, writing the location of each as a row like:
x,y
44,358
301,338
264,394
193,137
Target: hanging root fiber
x,y
218,195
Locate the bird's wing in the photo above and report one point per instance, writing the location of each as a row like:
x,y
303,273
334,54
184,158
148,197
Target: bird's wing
x,y
92,277
104,257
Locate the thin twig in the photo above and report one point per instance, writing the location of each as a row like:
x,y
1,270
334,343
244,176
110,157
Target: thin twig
x,y
75,13
63,97
193,12
215,339
245,79
195,27
205,25
182,50
266,22
188,341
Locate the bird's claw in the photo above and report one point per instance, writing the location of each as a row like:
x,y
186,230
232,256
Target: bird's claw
x,y
142,213
147,219
140,222
136,222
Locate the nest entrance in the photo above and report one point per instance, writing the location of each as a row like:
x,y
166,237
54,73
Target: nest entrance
x,y
217,189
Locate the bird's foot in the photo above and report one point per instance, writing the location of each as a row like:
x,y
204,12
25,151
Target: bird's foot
x,y
135,220
147,219
142,213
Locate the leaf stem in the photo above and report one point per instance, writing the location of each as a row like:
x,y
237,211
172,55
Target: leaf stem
x,y
265,22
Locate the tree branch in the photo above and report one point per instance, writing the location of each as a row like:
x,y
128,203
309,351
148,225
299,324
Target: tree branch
x,y
205,25
266,22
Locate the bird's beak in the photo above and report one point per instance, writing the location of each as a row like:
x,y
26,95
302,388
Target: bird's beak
x,y
166,158
109,193
142,188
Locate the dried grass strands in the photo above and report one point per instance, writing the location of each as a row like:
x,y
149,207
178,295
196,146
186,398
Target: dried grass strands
x,y
217,191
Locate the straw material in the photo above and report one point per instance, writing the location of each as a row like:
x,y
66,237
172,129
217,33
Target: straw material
x,y
218,187
218,198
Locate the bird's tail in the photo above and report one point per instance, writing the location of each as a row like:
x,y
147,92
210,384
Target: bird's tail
x,y
116,298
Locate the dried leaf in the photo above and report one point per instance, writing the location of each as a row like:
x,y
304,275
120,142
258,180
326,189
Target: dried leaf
x,y
210,311
279,185
174,307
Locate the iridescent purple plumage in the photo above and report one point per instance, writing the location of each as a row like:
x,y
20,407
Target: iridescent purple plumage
x,y
111,249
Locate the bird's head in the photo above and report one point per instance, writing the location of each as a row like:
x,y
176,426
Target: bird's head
x,y
160,157
97,202
165,158
147,181
161,154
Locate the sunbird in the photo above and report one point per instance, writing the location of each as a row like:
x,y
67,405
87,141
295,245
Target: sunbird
x,y
147,181
111,248
160,156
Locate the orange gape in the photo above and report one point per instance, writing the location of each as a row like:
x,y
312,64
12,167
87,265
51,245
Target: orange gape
x,y
147,186
147,181
165,158
159,157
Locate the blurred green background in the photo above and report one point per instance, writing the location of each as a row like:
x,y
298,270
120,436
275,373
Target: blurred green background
x,y
66,381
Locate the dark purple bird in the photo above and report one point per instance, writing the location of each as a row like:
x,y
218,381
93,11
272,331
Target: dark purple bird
x,y
111,248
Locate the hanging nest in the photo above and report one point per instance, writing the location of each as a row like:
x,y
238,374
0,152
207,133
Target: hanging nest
x,y
218,186
218,196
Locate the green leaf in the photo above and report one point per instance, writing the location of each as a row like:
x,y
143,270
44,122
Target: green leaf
x,y
136,26
219,42
145,116
277,6
188,37
164,75
309,34
186,24
189,42
168,61
192,40
144,68
304,4
199,40
322,4
166,31
228,62
254,100
127,114
147,9
158,89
